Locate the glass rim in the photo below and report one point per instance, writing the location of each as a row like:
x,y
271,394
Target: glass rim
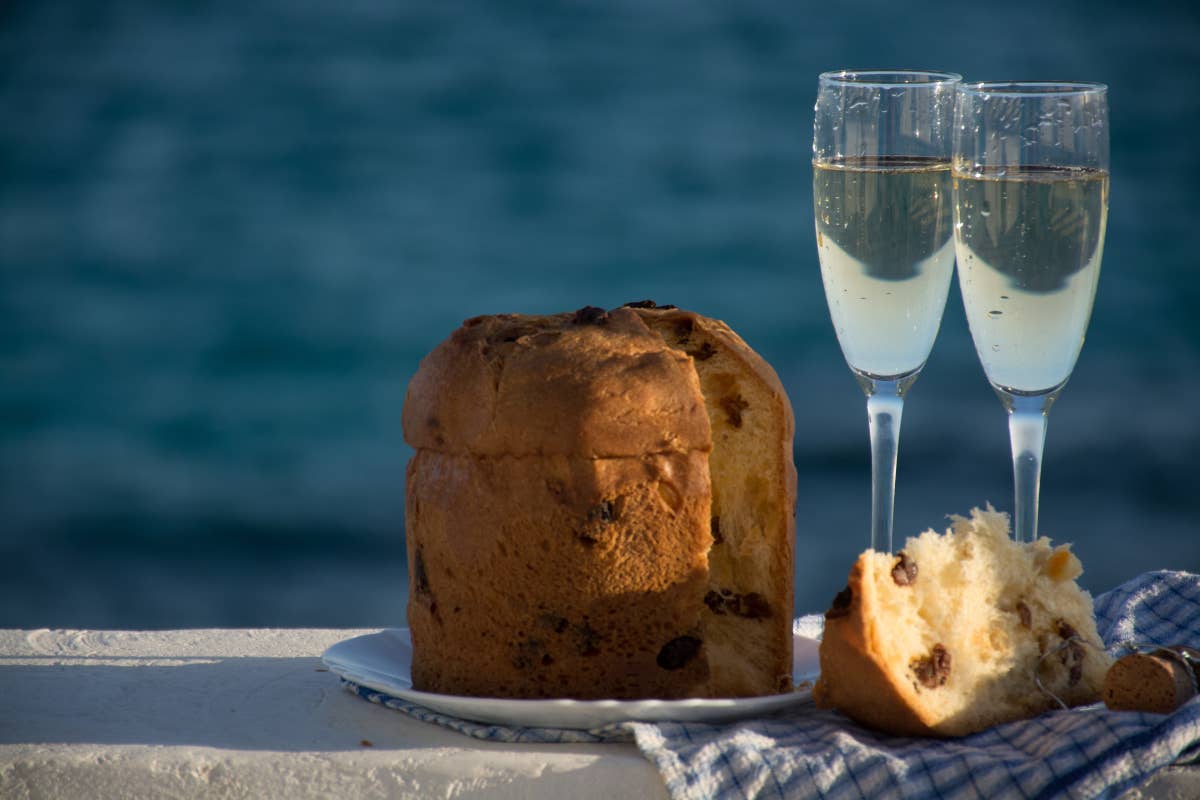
x,y
879,78
1032,88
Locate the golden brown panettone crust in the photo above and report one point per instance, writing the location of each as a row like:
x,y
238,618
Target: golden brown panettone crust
x,y
596,384
559,576
850,672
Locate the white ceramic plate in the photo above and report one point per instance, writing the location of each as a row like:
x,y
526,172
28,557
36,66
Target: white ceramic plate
x,y
383,662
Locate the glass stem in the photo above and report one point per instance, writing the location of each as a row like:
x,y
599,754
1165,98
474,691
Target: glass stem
x,y
1027,433
885,403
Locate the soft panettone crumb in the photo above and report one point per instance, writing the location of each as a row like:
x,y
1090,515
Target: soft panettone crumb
x,y
749,596
946,636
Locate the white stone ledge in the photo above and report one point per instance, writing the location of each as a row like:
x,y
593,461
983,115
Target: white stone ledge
x,y
252,713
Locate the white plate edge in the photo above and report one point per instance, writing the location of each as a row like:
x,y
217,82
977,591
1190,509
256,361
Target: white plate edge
x,y
564,712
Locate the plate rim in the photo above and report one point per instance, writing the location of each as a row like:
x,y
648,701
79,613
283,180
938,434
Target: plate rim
x,y
563,712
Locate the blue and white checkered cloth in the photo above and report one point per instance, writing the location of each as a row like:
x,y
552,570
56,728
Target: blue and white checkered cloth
x,y
807,752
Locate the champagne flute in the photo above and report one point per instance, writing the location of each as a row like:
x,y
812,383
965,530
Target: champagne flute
x,y
1030,210
882,201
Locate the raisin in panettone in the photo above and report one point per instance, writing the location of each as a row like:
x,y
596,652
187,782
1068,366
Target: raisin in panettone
x,y
955,633
600,505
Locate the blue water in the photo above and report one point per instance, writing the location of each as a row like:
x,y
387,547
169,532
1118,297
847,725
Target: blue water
x,y
228,234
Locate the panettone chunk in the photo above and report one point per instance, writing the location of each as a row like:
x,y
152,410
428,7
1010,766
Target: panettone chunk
x,y
945,637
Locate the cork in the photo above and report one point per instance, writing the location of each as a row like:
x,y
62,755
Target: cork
x,y
1158,682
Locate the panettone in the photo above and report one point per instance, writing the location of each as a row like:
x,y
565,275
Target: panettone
x,y
960,631
600,505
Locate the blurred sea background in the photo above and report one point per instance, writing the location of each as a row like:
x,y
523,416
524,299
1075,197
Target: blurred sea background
x,y
229,232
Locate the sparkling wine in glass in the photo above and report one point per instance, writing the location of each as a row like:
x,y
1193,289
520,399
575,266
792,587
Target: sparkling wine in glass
x,y
883,205
1030,209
